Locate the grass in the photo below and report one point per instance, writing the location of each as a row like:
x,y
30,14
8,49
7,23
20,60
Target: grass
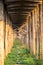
x,y
20,55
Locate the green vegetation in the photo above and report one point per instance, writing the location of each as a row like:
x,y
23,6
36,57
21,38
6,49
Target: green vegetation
x,y
39,62
20,55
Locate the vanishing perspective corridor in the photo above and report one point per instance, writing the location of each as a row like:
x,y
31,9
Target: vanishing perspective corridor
x,y
23,20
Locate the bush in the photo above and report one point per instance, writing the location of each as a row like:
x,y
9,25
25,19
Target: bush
x,y
20,55
39,62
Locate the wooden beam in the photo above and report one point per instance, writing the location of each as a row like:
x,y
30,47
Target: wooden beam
x,y
36,1
12,5
21,10
21,2
15,13
20,7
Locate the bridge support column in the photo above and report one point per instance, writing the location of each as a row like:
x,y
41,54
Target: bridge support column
x,y
1,34
27,34
37,32
41,38
8,36
33,15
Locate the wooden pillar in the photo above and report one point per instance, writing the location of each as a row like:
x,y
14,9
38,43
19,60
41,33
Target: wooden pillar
x,y
1,34
41,38
10,42
33,17
30,31
37,32
27,34
6,36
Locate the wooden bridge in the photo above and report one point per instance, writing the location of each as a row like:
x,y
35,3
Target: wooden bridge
x,y
21,19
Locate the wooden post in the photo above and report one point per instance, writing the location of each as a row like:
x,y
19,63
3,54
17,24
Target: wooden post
x,y
1,34
41,38
37,31
27,34
8,36
33,15
30,31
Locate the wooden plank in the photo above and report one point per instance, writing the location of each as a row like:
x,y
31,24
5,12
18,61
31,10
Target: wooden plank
x,y
21,2
22,10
